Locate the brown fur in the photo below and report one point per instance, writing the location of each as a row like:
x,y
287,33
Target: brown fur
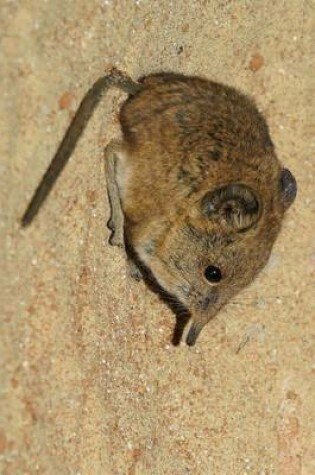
x,y
183,137
199,184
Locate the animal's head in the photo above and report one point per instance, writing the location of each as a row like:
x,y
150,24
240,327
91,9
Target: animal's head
x,y
219,245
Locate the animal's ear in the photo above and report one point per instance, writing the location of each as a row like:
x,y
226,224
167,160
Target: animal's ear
x,y
236,204
288,188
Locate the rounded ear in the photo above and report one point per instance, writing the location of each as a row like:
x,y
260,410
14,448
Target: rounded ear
x,y
288,188
236,204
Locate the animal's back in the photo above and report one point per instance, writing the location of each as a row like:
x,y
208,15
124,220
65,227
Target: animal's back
x,y
185,135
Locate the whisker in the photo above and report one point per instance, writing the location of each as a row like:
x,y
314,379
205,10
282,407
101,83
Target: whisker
x,y
267,298
240,304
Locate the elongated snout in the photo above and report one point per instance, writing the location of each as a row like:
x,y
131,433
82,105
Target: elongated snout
x,y
205,311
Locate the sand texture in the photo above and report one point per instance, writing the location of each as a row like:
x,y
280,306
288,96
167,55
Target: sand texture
x,y
90,382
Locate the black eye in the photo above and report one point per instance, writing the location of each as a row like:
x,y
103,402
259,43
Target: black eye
x,y
213,274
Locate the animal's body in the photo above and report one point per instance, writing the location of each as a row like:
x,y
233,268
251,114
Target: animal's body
x,y
196,189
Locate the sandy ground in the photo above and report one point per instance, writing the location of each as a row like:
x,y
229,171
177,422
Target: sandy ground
x,y
90,381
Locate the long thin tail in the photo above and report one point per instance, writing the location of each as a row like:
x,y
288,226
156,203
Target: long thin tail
x,y
75,130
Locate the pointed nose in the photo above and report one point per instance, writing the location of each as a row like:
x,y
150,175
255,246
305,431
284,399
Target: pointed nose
x,y
205,311
193,333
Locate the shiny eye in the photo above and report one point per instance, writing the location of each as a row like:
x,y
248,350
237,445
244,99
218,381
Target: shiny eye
x,y
213,274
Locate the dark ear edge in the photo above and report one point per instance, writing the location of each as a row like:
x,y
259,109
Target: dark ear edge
x,y
288,187
236,203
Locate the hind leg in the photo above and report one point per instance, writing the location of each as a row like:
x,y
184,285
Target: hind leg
x,y
116,221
